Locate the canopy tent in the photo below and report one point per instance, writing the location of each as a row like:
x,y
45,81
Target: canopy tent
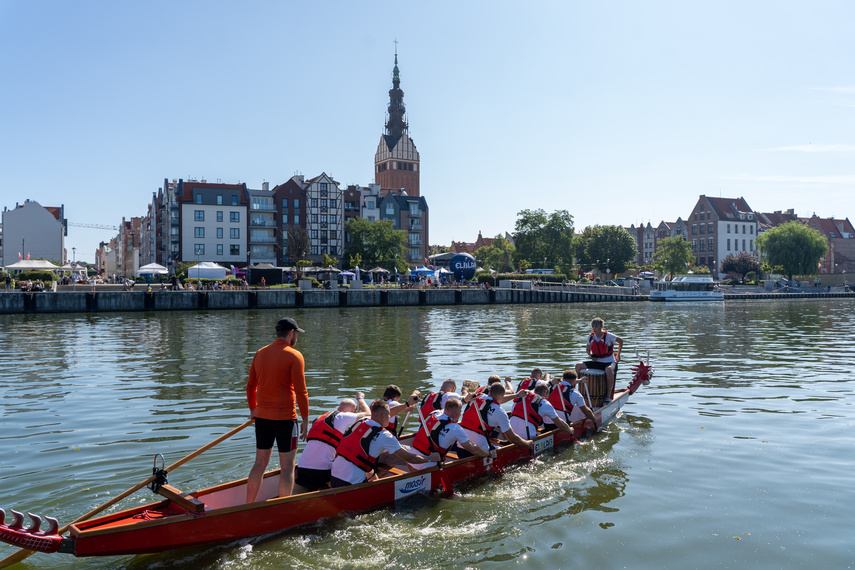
x,y
152,269
346,274
207,270
379,270
33,265
422,271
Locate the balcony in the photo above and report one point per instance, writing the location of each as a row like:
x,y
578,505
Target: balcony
x,y
262,239
262,223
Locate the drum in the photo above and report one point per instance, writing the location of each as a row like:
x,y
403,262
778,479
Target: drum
x,y
597,386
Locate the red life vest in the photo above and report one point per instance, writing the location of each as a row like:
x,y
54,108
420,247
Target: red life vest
x,y
559,394
435,427
469,420
392,426
356,442
600,348
532,402
432,403
481,389
527,384
323,429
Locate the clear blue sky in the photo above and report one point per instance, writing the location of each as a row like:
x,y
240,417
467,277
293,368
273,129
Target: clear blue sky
x,y
619,112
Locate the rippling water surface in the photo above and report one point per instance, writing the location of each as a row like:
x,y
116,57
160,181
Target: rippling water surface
x,y
739,453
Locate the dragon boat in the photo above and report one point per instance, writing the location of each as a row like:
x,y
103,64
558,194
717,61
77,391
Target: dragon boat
x,y
217,514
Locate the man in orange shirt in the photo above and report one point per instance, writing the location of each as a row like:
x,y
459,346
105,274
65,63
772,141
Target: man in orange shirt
x,y
276,386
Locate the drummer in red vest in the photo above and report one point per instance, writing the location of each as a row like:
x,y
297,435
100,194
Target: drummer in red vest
x,y
604,355
315,465
483,414
445,432
525,422
435,401
533,380
565,398
362,444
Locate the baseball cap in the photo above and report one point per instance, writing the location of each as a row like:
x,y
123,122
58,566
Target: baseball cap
x,y
287,324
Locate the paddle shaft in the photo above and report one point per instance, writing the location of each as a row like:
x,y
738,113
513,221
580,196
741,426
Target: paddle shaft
x,y
23,553
431,446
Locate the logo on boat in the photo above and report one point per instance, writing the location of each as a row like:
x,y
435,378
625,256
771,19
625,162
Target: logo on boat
x,y
407,487
542,445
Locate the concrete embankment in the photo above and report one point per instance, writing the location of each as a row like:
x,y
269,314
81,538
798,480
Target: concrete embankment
x,y
110,301
793,295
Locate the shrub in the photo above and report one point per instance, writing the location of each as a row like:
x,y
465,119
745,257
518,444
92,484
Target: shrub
x,y
35,275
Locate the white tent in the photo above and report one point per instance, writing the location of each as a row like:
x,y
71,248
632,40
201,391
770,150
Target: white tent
x,y
33,264
207,270
152,269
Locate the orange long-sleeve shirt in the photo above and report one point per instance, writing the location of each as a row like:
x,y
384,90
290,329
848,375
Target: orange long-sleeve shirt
x,y
277,383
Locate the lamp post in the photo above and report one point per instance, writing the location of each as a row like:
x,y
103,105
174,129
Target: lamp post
x,y
248,263
73,262
198,275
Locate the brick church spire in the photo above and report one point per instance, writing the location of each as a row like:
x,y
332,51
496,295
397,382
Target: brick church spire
x,y
396,125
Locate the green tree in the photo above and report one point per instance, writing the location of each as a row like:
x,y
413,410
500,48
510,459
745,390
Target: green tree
x,y
378,243
328,261
605,247
545,240
673,255
742,264
794,246
355,260
499,255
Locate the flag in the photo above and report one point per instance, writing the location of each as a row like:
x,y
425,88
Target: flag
x,y
20,257
28,255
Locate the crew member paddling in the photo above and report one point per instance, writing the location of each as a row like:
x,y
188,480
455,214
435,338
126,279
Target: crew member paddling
x,y
537,409
362,444
444,433
533,380
564,399
484,414
315,465
435,401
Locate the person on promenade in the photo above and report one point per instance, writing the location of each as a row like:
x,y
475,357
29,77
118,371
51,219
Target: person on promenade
x,y
482,415
600,346
8,282
445,433
356,455
525,422
564,398
276,386
315,465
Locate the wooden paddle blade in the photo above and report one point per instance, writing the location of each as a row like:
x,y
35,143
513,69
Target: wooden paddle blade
x,y
447,485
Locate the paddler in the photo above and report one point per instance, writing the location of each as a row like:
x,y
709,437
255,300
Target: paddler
x,y
564,397
533,380
362,444
445,432
315,465
600,346
525,422
482,415
436,400
275,388
392,394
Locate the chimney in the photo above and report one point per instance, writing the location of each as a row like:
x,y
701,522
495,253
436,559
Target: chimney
x,y
265,186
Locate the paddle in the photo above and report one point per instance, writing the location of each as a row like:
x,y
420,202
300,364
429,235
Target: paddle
x,y
497,468
23,553
417,394
444,479
525,417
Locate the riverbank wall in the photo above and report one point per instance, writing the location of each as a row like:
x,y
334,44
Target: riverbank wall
x,y
114,301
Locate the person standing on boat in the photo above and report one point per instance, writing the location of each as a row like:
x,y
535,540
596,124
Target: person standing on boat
x,y
482,415
445,432
564,398
525,422
362,444
604,355
315,465
276,387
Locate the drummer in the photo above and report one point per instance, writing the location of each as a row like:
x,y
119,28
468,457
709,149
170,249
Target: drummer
x,y
604,354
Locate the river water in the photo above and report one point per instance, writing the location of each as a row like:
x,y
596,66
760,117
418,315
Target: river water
x,y
739,454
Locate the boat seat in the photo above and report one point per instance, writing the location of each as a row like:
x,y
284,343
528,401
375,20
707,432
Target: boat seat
x,y
594,387
392,471
183,500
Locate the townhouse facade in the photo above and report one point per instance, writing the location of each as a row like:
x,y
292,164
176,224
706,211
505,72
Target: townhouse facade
x,y
33,230
721,227
408,213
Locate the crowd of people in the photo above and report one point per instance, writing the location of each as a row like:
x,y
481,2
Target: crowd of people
x,y
347,445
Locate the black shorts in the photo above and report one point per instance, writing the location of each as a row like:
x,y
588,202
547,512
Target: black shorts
x,y
283,432
313,479
600,365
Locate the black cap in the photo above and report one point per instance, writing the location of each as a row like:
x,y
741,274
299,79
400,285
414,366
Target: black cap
x,y
287,324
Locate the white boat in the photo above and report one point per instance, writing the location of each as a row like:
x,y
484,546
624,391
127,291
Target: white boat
x,y
687,288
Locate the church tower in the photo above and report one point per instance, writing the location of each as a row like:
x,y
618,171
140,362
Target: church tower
x,y
396,162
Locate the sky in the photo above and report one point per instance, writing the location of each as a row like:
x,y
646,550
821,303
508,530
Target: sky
x,y
620,112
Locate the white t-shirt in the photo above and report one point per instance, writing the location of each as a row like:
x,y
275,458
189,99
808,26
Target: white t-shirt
x,y
320,455
347,471
451,434
446,396
518,424
576,399
496,417
610,340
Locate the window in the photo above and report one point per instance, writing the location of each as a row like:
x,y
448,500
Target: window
x,y
296,203
219,249
219,215
314,234
743,245
694,229
390,209
703,228
314,218
285,204
332,218
285,219
711,244
744,228
234,233
198,198
324,249
199,215
313,202
703,244
728,244
219,199
332,203
323,218
369,204
296,218
414,209
728,229
234,200
333,250
234,217
751,243
414,253
199,249
694,245
323,203
314,250
751,231
234,249
199,232
370,218
709,228
219,233
323,188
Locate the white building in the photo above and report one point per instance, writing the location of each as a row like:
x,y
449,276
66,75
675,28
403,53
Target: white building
x,y
34,230
213,222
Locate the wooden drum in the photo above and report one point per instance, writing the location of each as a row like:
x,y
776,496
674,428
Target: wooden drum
x,y
597,386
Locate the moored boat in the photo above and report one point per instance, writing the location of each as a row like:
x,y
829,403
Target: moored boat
x,y
687,288
220,513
